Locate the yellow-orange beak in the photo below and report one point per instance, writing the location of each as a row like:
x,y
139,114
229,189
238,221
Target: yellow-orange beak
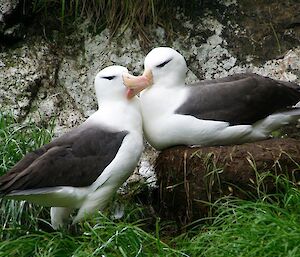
x,y
136,84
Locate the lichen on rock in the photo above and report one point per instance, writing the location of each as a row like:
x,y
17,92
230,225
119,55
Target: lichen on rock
x,y
22,74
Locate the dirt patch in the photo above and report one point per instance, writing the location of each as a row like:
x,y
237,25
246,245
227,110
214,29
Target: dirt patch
x,y
191,178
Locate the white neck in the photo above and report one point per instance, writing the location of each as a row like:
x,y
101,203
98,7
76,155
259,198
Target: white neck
x,y
161,100
123,115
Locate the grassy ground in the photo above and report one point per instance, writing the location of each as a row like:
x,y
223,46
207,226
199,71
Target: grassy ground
x,y
269,226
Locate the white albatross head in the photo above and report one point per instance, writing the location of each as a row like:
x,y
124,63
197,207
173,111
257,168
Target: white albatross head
x,y
163,67
110,83
166,65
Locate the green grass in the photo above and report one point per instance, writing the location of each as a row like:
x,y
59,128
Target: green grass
x,y
104,237
266,227
269,226
16,140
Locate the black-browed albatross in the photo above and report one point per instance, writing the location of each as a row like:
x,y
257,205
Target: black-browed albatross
x,y
83,168
236,109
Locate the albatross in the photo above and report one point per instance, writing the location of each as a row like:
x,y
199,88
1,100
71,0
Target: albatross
x,y
83,168
236,109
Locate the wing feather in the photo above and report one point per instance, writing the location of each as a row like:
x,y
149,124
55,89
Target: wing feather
x,y
75,159
239,99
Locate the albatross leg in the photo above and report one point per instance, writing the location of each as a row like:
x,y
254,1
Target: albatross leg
x,y
59,215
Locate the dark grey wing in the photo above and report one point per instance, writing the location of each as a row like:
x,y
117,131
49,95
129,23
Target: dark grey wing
x,y
230,78
240,99
75,159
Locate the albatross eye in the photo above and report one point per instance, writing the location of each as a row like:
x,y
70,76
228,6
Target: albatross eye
x,y
109,77
164,63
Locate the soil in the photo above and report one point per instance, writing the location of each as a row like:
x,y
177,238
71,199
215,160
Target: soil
x,y
189,179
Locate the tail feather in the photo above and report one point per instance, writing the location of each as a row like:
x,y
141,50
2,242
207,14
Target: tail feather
x,y
277,120
61,196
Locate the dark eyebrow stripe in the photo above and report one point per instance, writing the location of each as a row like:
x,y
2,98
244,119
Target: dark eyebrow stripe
x,y
164,63
109,77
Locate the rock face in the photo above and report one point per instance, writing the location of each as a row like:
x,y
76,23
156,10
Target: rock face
x,y
11,14
190,179
266,29
49,74
224,40
7,8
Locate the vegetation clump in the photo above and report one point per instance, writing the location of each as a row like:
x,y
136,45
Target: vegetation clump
x,y
268,226
114,14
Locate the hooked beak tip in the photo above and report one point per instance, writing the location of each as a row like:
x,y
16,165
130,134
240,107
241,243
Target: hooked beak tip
x,y
136,84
